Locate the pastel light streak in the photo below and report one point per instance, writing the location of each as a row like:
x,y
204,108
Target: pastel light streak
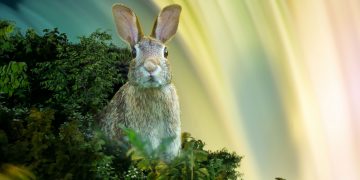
x,y
324,64
279,46
297,94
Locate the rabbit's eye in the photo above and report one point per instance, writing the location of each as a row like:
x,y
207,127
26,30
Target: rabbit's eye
x,y
133,52
166,53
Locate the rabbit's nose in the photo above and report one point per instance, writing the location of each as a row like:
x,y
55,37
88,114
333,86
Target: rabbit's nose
x,y
150,65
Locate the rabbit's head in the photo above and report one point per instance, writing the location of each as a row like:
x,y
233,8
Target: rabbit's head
x,y
149,66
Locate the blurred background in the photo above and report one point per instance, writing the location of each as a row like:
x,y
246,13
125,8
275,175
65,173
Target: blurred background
x,y
276,81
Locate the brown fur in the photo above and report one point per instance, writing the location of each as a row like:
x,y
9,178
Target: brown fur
x,y
151,112
148,102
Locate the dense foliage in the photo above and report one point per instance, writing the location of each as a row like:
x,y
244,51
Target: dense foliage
x,y
50,92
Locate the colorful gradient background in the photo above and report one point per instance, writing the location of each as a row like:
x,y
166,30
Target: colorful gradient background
x,y
277,81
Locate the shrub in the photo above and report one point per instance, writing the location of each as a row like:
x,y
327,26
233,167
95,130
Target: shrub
x,y
52,89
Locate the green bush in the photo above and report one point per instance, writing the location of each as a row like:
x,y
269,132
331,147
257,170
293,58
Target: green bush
x,y
52,89
193,162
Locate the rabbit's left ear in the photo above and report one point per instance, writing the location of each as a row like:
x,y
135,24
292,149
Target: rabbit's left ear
x,y
166,23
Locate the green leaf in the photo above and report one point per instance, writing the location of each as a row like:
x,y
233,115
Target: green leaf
x,y
14,67
152,175
6,80
135,156
10,92
143,164
16,84
204,171
200,155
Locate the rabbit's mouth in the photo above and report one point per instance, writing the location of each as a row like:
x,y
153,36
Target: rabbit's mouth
x,y
152,78
152,81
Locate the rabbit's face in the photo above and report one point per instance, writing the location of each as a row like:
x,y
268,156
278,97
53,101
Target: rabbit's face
x,y
150,67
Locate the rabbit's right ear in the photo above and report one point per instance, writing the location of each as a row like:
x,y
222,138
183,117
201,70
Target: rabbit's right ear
x,y
166,23
127,24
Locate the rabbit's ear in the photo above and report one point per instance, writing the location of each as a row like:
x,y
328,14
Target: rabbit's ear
x,y
166,23
127,24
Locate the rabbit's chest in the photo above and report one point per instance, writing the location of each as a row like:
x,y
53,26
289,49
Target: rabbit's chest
x,y
153,113
147,116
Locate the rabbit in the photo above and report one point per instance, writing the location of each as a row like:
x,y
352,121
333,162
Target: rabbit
x,y
148,102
